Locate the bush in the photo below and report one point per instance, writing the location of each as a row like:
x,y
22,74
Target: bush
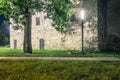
x,y
4,38
113,42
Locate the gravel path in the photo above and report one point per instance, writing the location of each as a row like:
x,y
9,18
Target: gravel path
x,y
63,58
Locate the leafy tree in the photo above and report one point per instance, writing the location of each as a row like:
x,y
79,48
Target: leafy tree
x,y
59,12
20,11
4,31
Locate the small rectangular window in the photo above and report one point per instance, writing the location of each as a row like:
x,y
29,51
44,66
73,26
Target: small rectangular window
x,y
73,18
37,21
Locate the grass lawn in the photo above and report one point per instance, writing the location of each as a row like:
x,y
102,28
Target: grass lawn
x,y
58,70
55,53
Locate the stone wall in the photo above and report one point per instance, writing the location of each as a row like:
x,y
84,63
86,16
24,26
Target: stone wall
x,y
56,40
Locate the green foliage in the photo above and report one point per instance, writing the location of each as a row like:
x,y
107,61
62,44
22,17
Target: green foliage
x,y
5,8
20,12
58,70
113,41
17,10
1,3
59,12
4,38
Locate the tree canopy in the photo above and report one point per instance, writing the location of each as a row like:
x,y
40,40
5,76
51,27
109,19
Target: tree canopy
x,y
20,11
57,10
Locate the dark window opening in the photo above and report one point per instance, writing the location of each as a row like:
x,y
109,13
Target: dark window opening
x,y
15,44
42,44
37,21
73,18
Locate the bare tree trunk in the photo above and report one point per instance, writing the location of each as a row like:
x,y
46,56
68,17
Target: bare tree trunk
x,y
27,35
102,24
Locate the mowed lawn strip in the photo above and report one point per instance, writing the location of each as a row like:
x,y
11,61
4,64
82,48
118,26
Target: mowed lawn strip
x,y
58,70
55,53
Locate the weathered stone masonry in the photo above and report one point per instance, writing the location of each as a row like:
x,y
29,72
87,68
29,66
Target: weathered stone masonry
x,y
44,36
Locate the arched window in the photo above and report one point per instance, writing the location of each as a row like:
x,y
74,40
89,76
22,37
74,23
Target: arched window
x,y
42,44
15,44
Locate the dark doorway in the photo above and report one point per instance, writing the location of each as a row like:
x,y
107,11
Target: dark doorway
x,y
42,46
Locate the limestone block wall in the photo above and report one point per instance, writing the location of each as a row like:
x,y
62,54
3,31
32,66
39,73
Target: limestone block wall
x,y
55,40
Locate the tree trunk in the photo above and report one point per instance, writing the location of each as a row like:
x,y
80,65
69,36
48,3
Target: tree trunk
x,y
102,24
27,35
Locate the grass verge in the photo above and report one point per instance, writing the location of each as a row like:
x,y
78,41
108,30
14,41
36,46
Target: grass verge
x,y
53,53
58,70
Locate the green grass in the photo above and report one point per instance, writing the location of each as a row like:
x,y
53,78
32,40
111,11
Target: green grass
x,y
58,70
54,53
